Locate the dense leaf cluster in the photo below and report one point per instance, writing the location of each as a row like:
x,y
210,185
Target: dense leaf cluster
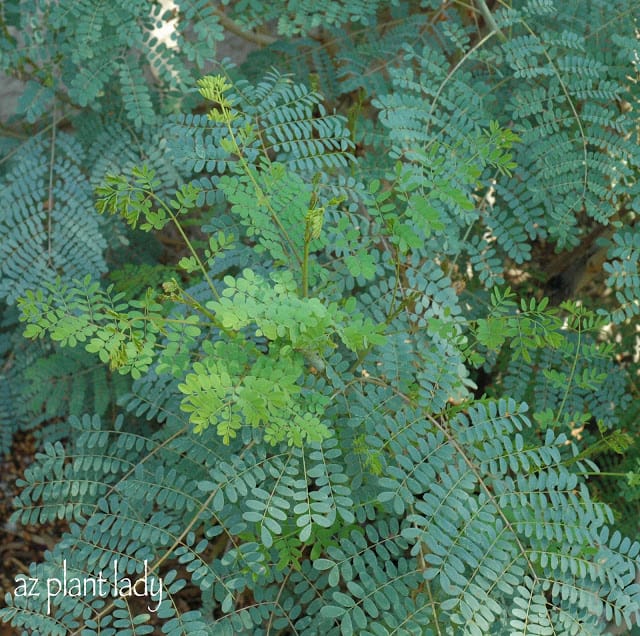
x,y
343,337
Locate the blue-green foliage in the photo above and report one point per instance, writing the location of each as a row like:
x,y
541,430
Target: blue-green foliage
x,y
42,201
624,276
320,407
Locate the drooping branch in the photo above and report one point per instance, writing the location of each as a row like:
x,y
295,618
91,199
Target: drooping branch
x,y
262,39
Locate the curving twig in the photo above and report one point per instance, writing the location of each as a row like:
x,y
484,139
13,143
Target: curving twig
x,y
258,38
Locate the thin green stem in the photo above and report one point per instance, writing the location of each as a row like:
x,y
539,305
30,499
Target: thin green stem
x,y
50,201
489,19
590,473
305,264
186,240
198,306
574,364
261,196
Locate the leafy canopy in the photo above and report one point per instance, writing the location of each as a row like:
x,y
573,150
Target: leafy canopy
x,y
341,338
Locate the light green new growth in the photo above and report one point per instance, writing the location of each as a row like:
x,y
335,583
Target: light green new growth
x,y
325,342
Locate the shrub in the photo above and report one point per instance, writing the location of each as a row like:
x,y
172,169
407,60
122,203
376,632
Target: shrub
x,y
324,336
